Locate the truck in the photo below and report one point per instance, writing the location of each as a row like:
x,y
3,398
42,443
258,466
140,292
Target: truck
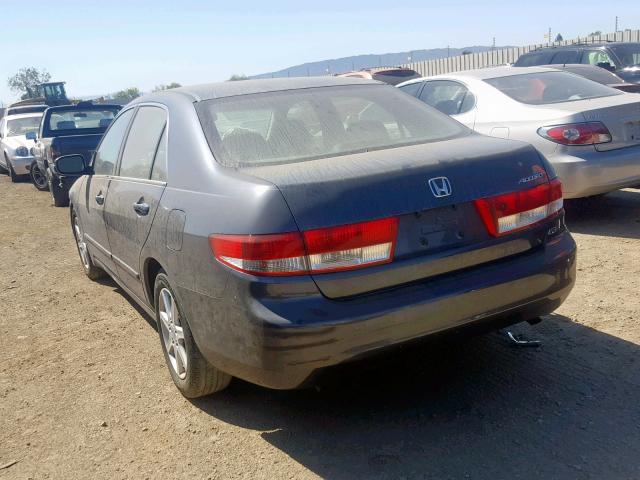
x,y
66,130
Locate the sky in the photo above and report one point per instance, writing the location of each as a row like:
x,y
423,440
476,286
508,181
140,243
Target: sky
x,y
99,47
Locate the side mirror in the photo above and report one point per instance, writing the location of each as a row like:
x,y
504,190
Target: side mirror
x,y
71,165
32,136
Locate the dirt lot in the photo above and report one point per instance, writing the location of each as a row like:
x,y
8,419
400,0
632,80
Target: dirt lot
x,y
84,392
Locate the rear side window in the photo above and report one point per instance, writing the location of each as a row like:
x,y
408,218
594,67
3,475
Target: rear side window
x,y
597,57
550,87
566,56
412,88
533,59
107,153
297,125
142,142
449,97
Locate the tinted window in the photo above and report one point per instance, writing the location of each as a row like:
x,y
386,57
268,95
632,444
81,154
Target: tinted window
x,y
142,142
447,96
597,57
159,171
81,119
107,153
595,74
532,59
412,88
566,56
550,87
254,129
628,53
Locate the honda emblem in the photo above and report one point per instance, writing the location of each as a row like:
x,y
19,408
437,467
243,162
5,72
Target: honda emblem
x,y
440,187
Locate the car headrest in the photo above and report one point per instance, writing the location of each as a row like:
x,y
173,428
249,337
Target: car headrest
x,y
66,125
105,122
242,144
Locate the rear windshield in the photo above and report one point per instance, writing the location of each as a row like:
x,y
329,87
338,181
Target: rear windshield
x,y
550,87
298,125
22,126
81,119
595,74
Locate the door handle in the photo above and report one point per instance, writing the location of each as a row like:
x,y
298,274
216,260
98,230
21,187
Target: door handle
x,y
141,208
100,199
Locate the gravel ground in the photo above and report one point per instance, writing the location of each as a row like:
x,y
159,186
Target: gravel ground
x,y
84,392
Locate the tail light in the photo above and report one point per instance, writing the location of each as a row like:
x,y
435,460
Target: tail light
x,y
590,133
324,250
518,210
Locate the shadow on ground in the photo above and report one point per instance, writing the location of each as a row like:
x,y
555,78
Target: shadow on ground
x,y
477,408
614,215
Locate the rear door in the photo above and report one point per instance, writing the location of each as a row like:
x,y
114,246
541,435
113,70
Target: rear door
x,y
96,190
134,193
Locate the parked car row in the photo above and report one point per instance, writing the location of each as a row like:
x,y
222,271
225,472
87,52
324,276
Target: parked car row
x,y
275,228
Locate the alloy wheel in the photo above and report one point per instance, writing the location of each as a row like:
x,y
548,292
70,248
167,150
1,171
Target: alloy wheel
x,y
172,333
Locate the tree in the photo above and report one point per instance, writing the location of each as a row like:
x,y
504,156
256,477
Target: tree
x,y
466,52
159,88
127,94
559,38
595,34
235,77
26,81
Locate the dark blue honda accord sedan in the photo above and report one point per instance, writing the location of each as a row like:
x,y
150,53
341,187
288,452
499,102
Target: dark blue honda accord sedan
x,y
277,227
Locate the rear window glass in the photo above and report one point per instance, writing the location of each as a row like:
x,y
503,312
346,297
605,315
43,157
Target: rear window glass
x,y
549,87
298,125
81,119
22,126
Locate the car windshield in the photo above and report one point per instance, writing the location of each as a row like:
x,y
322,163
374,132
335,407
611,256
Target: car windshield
x,y
298,125
22,126
79,119
629,54
543,88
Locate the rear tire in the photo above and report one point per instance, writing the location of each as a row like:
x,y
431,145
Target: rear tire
x,y
38,178
93,272
198,377
60,196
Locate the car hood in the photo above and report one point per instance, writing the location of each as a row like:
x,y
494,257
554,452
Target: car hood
x,y
17,141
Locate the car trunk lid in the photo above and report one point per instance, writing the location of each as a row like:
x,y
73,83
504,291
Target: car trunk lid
x,y
396,183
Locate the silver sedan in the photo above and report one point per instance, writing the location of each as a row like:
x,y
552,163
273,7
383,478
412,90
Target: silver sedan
x,y
589,132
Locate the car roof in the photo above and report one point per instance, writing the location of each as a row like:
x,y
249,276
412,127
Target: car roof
x,y
246,87
580,45
85,106
495,72
13,116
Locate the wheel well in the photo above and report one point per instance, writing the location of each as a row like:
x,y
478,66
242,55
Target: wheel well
x,y
151,272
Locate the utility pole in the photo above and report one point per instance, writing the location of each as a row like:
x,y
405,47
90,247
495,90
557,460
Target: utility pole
x,y
616,30
493,45
448,51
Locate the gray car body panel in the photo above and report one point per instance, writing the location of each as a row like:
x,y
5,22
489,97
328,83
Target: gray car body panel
x,y
276,331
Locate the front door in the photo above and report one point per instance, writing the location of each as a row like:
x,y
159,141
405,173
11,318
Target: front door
x,y
96,191
134,195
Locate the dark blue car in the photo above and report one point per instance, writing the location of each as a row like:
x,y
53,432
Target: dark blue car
x,y
277,227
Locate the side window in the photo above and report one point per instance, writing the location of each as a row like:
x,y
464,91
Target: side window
x,y
159,171
566,56
532,59
107,153
597,57
412,88
449,97
142,142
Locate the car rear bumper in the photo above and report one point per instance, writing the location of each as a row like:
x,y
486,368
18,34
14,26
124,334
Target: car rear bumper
x,y
595,172
280,342
21,165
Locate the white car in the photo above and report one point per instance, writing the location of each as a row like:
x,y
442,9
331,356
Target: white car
x,y
16,151
589,132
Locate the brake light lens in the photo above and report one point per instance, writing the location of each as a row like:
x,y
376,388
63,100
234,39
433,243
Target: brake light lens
x,y
324,250
589,133
515,211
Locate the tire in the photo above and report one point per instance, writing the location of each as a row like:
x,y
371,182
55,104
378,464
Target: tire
x,y
12,174
198,378
59,195
38,178
93,272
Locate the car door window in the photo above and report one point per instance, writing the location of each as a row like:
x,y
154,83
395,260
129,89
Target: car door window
x,y
448,96
107,153
142,142
159,170
412,88
597,57
565,56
